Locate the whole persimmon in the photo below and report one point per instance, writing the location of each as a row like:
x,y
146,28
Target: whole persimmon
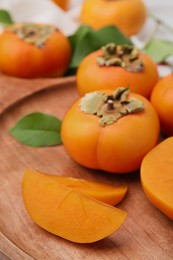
x,y
128,15
162,100
113,66
110,130
33,50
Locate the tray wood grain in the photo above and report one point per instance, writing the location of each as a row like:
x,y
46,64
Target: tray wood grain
x,y
145,235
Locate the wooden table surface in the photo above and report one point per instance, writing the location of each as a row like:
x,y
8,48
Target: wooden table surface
x,y
146,234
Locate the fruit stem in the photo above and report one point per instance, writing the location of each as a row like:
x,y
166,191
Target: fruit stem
x,y
110,105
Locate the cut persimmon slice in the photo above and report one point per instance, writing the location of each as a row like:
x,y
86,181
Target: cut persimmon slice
x,y
68,213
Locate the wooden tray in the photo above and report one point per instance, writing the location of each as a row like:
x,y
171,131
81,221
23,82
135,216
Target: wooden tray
x,y
146,233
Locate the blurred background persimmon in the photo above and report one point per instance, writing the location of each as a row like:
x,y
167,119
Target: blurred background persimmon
x,y
128,15
162,100
64,4
42,51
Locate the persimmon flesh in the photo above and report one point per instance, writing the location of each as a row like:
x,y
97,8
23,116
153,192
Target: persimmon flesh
x,y
106,68
68,213
162,100
110,194
128,15
107,140
157,176
33,50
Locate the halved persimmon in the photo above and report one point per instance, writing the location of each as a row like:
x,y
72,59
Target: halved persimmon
x,y
128,15
157,176
162,100
110,130
33,50
113,66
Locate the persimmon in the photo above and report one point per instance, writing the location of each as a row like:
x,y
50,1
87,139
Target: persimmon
x,y
162,100
64,4
66,212
110,194
33,50
157,176
110,130
128,15
113,66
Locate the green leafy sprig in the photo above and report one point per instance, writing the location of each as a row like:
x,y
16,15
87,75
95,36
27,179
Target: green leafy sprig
x,y
158,49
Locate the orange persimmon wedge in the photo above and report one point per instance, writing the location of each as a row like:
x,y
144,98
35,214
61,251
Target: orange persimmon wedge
x,y
68,213
106,193
109,194
157,176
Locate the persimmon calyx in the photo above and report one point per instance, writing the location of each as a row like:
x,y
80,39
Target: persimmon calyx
x,y
36,34
124,56
110,108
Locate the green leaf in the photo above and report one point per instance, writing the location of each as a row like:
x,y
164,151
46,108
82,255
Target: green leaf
x,y
87,40
5,17
159,50
80,33
37,129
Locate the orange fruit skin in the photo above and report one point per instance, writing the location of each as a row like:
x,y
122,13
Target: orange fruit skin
x,y
21,59
162,100
116,148
90,76
64,4
128,15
